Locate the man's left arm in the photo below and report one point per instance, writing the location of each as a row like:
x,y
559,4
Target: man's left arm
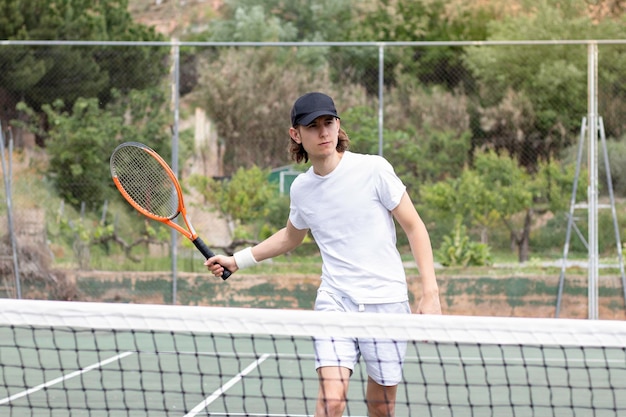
x,y
406,215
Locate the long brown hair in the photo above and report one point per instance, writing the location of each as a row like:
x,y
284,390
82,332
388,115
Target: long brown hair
x,y
298,154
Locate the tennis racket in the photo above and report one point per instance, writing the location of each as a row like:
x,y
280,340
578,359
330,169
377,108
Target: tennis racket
x,y
148,183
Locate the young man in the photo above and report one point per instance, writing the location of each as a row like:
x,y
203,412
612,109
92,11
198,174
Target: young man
x,y
349,202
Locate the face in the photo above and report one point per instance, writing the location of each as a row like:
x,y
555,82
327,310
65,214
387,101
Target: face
x,y
319,138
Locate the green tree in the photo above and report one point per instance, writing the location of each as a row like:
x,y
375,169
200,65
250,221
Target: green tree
x,y
244,199
498,191
294,20
251,23
253,122
410,20
547,83
40,75
288,21
427,150
467,196
80,141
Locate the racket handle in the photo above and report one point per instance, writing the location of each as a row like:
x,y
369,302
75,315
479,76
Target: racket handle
x,y
204,249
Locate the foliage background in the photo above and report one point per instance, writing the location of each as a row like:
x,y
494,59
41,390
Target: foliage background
x,y
485,132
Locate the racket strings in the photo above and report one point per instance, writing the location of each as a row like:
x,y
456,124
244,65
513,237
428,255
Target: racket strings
x,y
146,181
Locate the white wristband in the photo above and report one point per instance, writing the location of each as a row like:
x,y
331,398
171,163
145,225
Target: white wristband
x,y
244,258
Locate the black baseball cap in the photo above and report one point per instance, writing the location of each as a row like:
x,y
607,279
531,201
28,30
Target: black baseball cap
x,y
311,106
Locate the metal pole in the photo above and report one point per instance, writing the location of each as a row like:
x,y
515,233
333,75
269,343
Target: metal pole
x,y
592,83
175,99
609,182
570,217
381,86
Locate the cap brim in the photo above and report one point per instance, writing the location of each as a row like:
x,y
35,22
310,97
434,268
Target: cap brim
x,y
312,116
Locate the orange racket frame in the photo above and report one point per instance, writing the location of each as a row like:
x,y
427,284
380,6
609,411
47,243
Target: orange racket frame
x,y
190,232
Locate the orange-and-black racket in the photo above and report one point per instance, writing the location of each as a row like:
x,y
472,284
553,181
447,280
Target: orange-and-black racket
x,y
148,183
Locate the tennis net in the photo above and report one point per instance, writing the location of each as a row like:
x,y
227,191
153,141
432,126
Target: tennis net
x,y
94,359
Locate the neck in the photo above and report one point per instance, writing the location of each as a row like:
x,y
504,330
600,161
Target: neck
x,y
326,165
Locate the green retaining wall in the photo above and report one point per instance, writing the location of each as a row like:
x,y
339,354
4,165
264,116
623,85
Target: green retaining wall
x,y
516,295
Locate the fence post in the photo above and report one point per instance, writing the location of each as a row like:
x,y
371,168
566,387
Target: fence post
x,y
592,84
381,86
175,102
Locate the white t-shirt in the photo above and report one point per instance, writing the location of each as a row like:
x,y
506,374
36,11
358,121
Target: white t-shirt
x,y
349,214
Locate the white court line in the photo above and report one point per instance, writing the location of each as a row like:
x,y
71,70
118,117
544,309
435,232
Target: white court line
x,y
63,378
204,404
270,415
497,360
267,415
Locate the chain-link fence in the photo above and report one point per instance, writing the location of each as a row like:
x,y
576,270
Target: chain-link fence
x,y
212,108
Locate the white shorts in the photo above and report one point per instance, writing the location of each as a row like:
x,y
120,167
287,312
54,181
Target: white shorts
x,y
383,357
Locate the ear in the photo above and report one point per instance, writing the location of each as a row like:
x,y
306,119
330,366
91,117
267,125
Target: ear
x,y
295,135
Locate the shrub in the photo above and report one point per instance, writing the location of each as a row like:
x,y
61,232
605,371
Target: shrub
x,y
458,250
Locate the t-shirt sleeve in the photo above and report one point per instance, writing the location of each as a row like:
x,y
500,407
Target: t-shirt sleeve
x,y
390,187
295,215
297,220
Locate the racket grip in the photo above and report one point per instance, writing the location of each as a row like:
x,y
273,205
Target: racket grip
x,y
204,249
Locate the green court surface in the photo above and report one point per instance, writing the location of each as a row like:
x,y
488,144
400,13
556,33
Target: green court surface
x,y
100,373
